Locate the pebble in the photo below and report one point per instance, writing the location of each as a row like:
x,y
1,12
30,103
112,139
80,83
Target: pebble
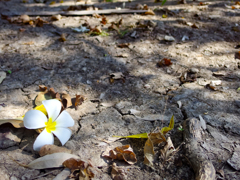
x,y
169,38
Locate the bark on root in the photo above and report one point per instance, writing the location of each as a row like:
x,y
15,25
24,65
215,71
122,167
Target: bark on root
x,y
199,160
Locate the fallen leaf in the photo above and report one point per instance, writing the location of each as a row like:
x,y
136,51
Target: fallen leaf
x,y
143,135
148,152
149,12
51,161
53,2
50,149
28,43
164,62
195,26
164,130
122,153
39,22
118,173
66,100
42,88
17,123
104,20
22,30
123,45
168,150
164,16
62,38
42,96
85,168
78,100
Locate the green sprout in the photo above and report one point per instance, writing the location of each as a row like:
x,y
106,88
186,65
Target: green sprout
x,y
180,128
9,71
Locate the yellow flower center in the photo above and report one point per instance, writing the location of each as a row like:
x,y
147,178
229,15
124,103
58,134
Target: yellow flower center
x,y
50,126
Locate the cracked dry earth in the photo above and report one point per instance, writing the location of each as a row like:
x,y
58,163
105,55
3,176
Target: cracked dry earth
x,y
202,80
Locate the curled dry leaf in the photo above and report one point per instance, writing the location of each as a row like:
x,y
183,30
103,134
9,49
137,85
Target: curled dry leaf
x,y
62,38
164,62
118,173
86,170
148,153
124,45
78,100
50,149
149,12
51,161
66,100
104,20
121,153
42,88
153,139
17,123
168,151
41,97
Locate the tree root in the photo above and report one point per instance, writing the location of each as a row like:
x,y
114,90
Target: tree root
x,y
200,163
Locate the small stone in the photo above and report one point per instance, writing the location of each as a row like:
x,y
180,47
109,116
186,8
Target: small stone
x,y
234,161
3,75
216,82
152,23
56,17
202,122
169,38
194,70
147,86
134,34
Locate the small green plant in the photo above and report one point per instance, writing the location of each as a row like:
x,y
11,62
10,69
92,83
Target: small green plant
x,y
180,128
122,33
164,1
9,71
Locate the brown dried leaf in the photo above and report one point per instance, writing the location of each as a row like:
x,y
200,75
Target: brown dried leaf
x,y
96,15
168,150
42,88
62,38
104,20
149,12
50,149
17,123
153,139
41,97
123,45
39,22
78,100
28,43
148,153
66,100
122,153
164,62
86,171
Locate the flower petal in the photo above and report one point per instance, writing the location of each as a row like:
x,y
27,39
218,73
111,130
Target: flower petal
x,y
64,120
53,108
63,134
34,119
43,138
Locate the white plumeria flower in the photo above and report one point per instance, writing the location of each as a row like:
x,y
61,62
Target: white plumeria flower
x,y
56,124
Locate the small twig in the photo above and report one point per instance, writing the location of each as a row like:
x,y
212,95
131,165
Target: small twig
x,y
18,162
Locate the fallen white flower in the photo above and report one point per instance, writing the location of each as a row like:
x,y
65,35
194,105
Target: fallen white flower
x,y
57,123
